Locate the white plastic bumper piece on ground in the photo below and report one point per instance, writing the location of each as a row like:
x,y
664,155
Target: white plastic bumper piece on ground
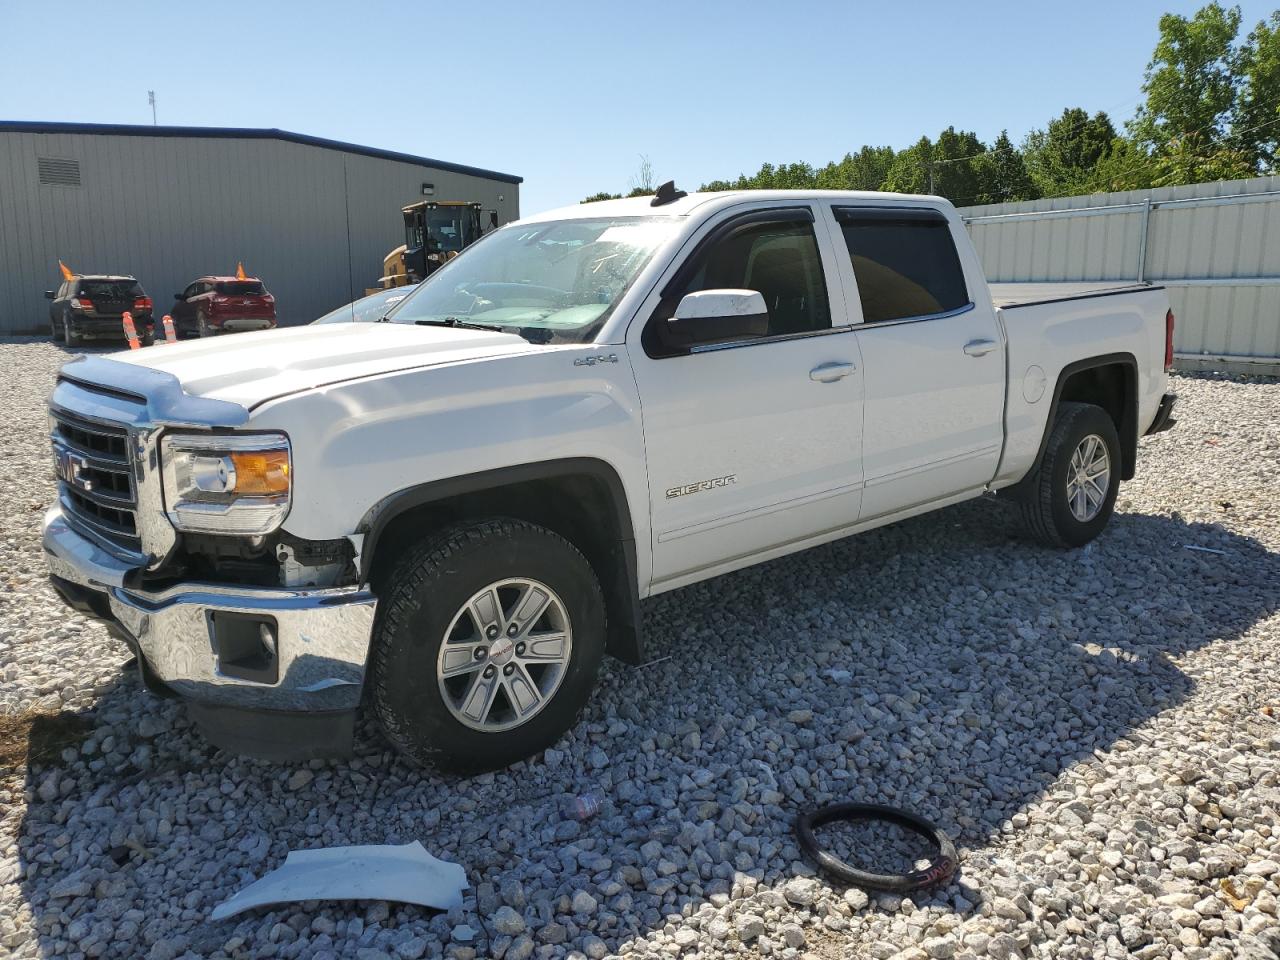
x,y
402,874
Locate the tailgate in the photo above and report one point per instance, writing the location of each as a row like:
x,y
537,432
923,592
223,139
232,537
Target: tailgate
x,y
243,307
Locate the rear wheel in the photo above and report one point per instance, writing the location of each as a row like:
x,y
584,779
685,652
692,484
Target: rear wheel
x,y
69,333
203,327
487,644
1071,496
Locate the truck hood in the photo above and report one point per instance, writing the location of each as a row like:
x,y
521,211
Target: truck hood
x,y
250,368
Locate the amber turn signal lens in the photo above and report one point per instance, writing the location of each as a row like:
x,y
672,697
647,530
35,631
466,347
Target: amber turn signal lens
x,y
261,471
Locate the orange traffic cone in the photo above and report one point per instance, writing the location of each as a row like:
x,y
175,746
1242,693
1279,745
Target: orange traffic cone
x,y
129,332
170,336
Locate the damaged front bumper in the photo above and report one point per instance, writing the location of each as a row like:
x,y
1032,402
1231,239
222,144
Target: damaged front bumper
x,y
271,672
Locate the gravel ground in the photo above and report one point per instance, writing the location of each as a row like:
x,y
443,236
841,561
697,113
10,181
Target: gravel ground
x,y
1094,728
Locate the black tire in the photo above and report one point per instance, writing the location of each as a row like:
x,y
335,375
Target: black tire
x,y
55,330
426,588
1046,512
941,866
203,327
69,334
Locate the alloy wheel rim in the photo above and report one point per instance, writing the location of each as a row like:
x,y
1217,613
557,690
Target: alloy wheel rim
x,y
1088,478
505,654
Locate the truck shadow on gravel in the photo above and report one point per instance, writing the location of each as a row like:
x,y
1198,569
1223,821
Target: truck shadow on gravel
x,y
939,664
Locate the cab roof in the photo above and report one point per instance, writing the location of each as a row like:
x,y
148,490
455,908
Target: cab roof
x,y
103,276
684,206
228,279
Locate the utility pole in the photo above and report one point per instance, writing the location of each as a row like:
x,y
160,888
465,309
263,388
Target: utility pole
x,y
151,99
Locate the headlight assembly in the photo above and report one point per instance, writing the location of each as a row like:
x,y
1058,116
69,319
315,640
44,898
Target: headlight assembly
x,y
235,485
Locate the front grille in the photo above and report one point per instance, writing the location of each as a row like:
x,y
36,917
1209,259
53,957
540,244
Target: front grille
x,y
95,479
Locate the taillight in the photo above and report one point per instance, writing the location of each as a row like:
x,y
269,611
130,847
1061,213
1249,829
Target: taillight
x,y
1168,341
142,303
81,303
268,298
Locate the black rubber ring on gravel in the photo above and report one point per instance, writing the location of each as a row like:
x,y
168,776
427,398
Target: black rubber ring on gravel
x,y
942,865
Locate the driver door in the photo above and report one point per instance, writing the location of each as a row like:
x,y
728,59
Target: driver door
x,y
755,446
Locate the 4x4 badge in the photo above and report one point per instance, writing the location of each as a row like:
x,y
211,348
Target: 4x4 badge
x,y
592,360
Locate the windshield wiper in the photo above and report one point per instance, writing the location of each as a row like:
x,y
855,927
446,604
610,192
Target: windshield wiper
x,y
456,322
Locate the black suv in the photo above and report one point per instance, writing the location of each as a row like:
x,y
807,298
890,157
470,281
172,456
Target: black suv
x,y
91,307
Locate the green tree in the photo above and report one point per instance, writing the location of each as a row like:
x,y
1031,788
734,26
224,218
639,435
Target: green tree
x,y
1190,85
911,168
1255,119
601,196
1002,174
946,168
1194,159
787,176
864,170
1061,158
1124,166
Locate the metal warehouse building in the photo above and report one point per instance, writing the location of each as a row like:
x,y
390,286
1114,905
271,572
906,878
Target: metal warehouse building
x,y
312,217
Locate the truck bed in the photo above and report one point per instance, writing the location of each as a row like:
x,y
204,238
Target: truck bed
x,y
1010,295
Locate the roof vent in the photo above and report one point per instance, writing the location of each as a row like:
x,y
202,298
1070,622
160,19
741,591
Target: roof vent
x,y
58,173
667,193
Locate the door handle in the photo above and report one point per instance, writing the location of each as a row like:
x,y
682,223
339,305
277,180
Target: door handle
x,y
831,372
979,348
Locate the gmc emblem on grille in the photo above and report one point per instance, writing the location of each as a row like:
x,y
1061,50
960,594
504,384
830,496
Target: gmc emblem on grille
x,y
69,468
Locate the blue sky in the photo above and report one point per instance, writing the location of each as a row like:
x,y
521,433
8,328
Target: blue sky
x,y
569,94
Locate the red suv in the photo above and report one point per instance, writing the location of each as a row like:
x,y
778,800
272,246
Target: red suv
x,y
213,305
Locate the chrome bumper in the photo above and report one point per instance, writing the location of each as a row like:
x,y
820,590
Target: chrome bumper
x,y
322,636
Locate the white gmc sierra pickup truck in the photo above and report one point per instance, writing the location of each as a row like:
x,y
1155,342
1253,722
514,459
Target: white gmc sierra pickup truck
x,y
452,513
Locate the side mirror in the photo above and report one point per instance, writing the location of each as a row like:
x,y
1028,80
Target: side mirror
x,y
178,296
48,294
718,316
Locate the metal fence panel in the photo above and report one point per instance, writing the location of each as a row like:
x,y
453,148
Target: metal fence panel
x,y
1216,246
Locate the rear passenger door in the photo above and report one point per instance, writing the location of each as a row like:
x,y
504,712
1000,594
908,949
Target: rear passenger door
x,y
933,358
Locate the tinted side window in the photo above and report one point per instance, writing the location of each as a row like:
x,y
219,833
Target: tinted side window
x,y
778,260
905,263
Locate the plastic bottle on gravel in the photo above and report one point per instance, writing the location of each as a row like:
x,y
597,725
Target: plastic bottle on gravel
x,y
582,807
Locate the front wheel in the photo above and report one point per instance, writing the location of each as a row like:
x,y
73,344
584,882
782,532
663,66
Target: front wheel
x,y
1071,496
487,644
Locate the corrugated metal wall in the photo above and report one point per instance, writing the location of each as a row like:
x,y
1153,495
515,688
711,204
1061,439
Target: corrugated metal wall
x,y
1216,246
314,223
